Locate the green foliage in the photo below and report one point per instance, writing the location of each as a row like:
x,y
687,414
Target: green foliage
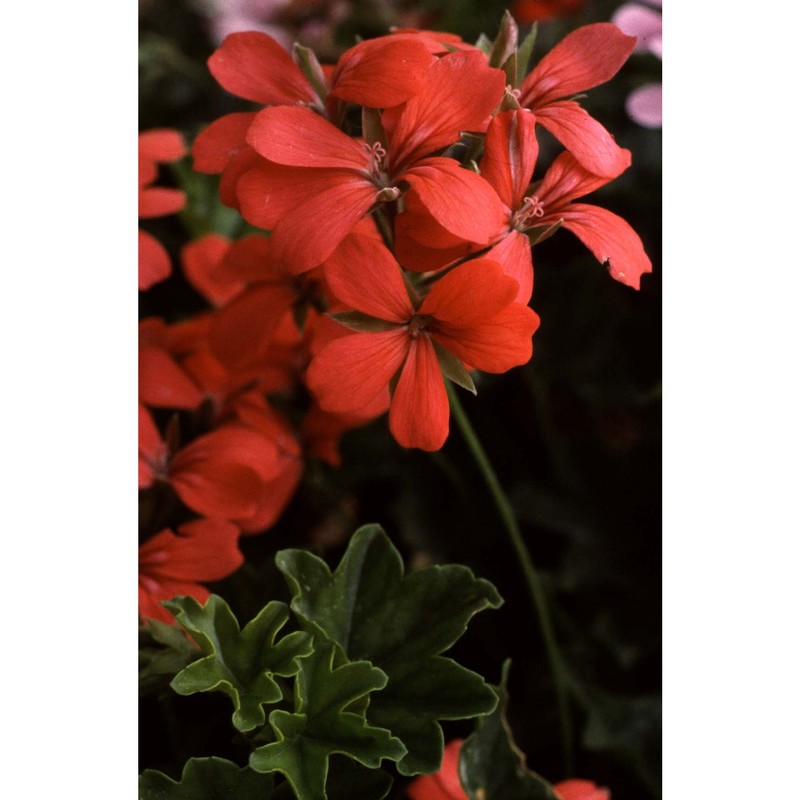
x,y
370,683
492,767
206,779
402,625
240,664
320,726
164,650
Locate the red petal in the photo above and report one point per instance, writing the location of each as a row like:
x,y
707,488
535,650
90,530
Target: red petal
x,y
564,181
249,260
509,155
577,789
513,254
275,496
217,144
364,276
161,145
201,265
496,345
242,331
162,383
254,66
584,137
419,415
203,550
158,202
152,450
471,293
154,263
268,192
381,72
460,91
611,240
314,229
350,372
239,165
298,137
583,59
461,201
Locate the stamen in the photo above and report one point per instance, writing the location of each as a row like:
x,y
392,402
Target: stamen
x,y
531,209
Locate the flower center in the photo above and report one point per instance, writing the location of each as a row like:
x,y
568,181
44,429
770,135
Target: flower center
x,y
531,209
417,324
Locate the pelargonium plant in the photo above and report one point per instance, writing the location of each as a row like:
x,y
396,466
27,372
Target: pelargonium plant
x,y
390,212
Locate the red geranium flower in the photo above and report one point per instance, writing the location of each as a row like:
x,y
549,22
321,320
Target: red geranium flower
x,y
470,313
582,60
156,147
174,564
255,67
317,182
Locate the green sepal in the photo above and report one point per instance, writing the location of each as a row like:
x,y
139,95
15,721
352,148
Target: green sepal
x,y
206,779
505,42
320,726
307,60
484,44
524,52
239,664
364,323
454,369
536,235
402,625
492,767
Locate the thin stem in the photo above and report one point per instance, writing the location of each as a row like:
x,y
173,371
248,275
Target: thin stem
x,y
532,578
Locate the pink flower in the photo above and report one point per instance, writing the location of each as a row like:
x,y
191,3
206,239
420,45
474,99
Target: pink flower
x,y
643,104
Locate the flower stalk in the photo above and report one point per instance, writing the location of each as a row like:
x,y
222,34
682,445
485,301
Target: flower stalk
x,y
532,578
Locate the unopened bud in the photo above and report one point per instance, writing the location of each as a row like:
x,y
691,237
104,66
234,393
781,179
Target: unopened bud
x,y
505,43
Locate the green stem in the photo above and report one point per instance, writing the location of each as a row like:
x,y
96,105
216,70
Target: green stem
x,y
532,578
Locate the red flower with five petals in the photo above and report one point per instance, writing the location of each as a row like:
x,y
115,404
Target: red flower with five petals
x,y
470,313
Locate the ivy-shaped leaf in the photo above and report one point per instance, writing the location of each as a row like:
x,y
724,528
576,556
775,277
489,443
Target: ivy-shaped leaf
x,y
239,663
492,767
320,726
402,625
206,779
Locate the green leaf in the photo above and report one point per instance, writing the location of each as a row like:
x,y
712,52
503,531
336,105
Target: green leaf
x,y
240,664
491,765
164,650
402,625
206,779
320,726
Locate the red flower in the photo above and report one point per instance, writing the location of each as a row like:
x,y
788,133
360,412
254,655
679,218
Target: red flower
x,y
317,182
582,60
444,784
255,67
470,313
576,789
174,564
610,238
155,147
218,475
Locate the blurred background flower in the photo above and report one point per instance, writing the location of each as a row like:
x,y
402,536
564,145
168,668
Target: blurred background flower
x,y
644,103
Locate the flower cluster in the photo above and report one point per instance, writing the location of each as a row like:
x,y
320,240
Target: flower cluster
x,y
396,196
